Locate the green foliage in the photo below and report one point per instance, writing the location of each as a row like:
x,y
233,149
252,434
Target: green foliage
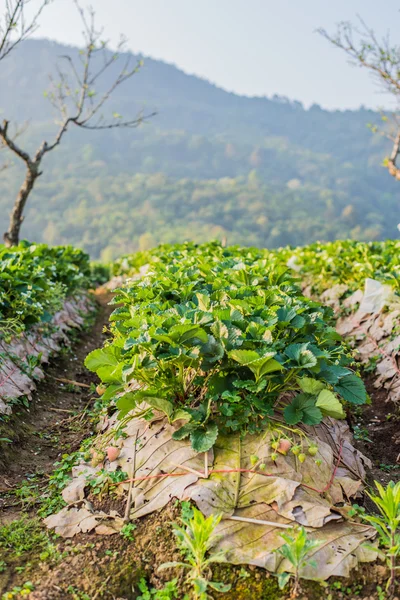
x,y
46,496
345,262
19,591
296,550
214,336
100,481
76,594
100,273
386,523
34,281
195,538
127,531
22,536
265,172
168,592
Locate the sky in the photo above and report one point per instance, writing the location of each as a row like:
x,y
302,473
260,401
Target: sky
x,y
250,47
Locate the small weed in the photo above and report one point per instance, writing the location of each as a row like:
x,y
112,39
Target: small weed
x,y
296,550
22,536
101,480
387,501
76,594
127,531
370,367
22,568
168,592
388,468
195,538
73,389
356,511
19,591
187,511
361,433
3,566
381,593
243,574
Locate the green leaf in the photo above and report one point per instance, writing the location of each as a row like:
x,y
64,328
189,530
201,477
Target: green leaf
x,y
111,391
310,386
283,580
203,301
285,314
333,373
182,334
211,352
265,365
244,357
312,415
184,431
330,405
101,358
302,409
293,414
158,403
219,587
126,403
300,354
111,374
352,389
298,322
203,438
180,414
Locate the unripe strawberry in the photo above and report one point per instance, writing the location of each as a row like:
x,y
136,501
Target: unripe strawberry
x,y
253,459
263,466
97,457
318,462
302,457
100,389
312,450
275,444
296,450
284,446
274,456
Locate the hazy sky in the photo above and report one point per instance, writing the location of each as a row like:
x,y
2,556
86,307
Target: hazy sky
x,y
252,47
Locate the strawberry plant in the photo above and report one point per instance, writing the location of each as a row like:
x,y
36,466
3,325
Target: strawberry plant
x,y
222,340
34,281
345,262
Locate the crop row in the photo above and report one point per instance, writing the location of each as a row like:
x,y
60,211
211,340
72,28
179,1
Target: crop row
x,y
224,340
325,264
35,279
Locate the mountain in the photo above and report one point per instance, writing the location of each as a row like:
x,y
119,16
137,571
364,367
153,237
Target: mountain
x,y
209,164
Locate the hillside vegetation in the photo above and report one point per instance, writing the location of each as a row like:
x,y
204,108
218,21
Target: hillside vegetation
x,y
211,164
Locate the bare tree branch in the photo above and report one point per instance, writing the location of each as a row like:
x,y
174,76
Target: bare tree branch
x,y
382,60
13,26
76,101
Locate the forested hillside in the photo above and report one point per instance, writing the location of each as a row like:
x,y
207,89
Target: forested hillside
x,y
210,164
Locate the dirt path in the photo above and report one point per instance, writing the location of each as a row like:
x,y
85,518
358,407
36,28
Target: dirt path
x,y
54,423
376,431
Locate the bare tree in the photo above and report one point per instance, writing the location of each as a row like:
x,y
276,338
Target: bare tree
x,y
382,59
14,24
73,94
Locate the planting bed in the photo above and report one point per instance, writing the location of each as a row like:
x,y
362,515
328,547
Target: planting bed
x,y
43,298
223,385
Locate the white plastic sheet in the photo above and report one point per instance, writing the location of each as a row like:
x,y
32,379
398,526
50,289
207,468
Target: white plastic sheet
x,y
376,296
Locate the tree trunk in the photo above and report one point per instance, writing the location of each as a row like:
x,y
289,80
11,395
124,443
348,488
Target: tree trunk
x,y
11,237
